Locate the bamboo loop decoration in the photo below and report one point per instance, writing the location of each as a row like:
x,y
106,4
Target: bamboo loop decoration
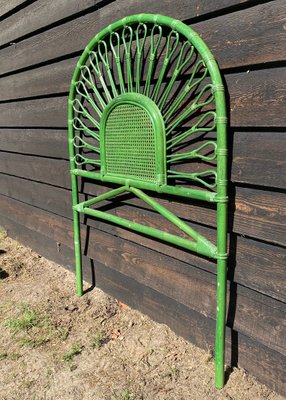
x,y
147,112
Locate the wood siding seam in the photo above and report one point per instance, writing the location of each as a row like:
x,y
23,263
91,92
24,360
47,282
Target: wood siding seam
x,y
37,195
229,53
249,41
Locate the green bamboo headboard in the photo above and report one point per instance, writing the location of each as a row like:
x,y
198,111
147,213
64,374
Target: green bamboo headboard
x,y
147,112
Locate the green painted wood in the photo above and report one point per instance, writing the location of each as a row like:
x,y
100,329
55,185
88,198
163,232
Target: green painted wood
x,y
133,132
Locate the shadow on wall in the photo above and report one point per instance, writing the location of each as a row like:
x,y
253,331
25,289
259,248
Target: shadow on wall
x,y
232,286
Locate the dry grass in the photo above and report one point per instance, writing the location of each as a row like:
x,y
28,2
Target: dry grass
x,y
54,345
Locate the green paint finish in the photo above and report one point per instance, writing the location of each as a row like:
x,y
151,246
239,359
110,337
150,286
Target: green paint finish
x,y
132,140
127,113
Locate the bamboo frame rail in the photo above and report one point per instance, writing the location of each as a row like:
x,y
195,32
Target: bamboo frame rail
x,y
132,124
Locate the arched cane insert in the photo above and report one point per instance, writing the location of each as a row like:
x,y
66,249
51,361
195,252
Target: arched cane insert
x,y
132,140
147,112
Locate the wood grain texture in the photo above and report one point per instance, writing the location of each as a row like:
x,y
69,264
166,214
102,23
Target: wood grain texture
x,y
185,10
48,113
257,98
189,286
50,79
38,15
42,13
258,157
41,142
55,173
235,41
173,286
250,95
9,5
265,364
226,28
53,199
268,209
253,264
256,213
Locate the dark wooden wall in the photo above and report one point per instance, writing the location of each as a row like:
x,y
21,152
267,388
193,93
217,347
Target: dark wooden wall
x,y
40,42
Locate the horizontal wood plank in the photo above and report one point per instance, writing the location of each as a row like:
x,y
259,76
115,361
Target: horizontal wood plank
x,y
240,50
235,42
266,210
54,172
186,10
49,79
250,95
48,113
42,142
7,6
264,363
42,13
35,197
256,213
258,157
38,15
257,265
196,289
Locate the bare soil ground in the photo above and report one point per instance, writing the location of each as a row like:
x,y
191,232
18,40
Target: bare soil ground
x,y
55,346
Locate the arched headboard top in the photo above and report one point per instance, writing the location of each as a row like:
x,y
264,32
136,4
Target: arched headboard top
x,y
158,71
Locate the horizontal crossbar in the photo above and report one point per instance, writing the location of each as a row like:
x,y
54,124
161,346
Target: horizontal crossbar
x,y
199,244
197,247
172,190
